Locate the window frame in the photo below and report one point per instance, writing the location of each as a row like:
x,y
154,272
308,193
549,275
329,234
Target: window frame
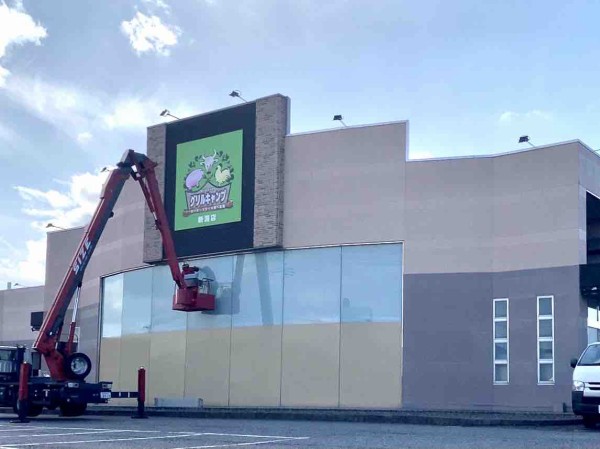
x,y
500,340
539,340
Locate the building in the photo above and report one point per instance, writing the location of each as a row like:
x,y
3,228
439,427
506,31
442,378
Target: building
x,y
346,275
16,304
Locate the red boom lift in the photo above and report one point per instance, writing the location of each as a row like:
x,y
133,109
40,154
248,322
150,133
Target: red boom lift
x,y
66,387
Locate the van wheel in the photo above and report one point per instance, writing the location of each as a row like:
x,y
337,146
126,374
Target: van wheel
x,y
69,410
589,422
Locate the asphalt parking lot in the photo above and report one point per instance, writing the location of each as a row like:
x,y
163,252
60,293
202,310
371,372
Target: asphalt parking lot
x,y
106,432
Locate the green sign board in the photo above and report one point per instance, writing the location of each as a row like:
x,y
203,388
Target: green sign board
x,y
208,188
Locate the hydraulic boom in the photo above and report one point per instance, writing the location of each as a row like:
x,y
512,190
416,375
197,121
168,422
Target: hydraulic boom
x,y
62,362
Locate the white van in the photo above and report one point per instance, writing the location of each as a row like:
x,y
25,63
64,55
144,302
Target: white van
x,y
586,385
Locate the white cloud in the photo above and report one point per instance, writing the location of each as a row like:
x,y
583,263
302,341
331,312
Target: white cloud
x,y
71,109
3,75
84,137
157,4
27,267
16,28
512,116
53,198
150,34
420,154
132,113
65,107
7,134
137,113
69,208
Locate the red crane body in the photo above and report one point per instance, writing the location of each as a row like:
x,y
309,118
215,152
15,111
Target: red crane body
x,y
187,297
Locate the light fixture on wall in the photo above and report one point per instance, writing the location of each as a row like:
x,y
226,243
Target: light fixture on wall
x,y
339,118
166,113
525,139
237,94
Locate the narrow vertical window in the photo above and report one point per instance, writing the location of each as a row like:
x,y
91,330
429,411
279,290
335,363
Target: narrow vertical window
x,y
501,341
545,342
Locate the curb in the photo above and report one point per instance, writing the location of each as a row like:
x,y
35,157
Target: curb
x,y
464,419
431,418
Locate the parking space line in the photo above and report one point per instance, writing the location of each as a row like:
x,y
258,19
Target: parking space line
x,y
46,443
71,433
251,436
251,443
82,428
19,428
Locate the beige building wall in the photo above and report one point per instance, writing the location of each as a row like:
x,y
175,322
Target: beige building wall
x,y
16,306
352,185
345,186
493,214
448,216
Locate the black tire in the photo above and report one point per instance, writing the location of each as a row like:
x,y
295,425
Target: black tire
x,y
590,422
32,411
69,369
70,410
35,410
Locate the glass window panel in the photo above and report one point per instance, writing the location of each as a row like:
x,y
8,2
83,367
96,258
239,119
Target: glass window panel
x,y
592,314
545,306
220,269
112,306
500,329
591,356
593,335
546,372
312,286
500,372
501,351
137,295
164,318
500,309
545,328
258,289
372,283
545,350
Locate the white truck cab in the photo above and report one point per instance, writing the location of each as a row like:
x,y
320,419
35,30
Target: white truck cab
x,y
586,385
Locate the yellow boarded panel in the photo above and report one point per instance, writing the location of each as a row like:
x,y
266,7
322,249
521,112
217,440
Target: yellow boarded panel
x,y
371,374
166,372
207,365
256,366
310,375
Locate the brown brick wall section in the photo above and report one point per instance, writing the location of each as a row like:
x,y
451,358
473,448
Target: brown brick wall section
x,y
272,125
157,139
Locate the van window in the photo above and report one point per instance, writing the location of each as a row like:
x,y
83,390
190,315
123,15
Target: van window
x,y
7,355
591,356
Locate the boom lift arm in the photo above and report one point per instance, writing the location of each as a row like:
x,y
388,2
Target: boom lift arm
x,y
187,295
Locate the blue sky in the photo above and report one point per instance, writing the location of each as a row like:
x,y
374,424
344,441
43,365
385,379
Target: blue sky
x,y
80,80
